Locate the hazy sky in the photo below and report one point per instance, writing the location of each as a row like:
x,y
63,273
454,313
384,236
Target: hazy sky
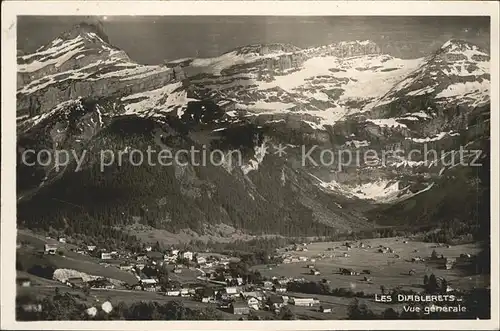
x,y
152,39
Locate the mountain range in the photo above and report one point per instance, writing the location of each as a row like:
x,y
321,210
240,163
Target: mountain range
x,y
80,93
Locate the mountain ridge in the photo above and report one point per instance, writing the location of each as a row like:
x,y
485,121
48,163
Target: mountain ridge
x,y
346,96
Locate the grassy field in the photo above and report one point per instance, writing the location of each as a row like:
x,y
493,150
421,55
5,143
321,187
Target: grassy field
x,y
70,260
386,269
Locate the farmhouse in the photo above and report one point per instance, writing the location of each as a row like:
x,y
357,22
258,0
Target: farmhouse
x,y
346,271
325,309
275,301
50,249
173,293
305,302
76,282
279,289
23,281
449,263
106,256
207,294
187,255
101,283
239,308
253,303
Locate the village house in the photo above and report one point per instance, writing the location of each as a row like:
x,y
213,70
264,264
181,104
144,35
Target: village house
x,y
275,302
314,272
32,308
287,260
239,308
23,281
148,249
76,282
207,295
449,263
126,267
185,292
101,283
106,256
173,292
345,271
50,249
253,303
232,290
151,287
304,302
279,289
187,255
256,294
267,285
91,248
201,260
62,240
154,256
325,309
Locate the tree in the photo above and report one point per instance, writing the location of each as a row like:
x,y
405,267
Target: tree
x,y
426,280
434,255
432,285
286,314
390,314
359,311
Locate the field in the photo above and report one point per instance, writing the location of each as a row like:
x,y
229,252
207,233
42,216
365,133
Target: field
x,y
70,260
385,269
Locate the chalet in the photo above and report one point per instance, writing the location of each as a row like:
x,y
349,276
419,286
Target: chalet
x,y
239,308
346,271
187,255
294,260
141,258
254,294
302,258
154,256
279,289
287,260
275,302
151,287
449,263
106,256
140,266
173,293
91,248
207,295
101,284
315,272
325,309
232,290
253,303
201,259
23,281
76,282
305,302
239,281
268,285
148,249
185,292
50,249
62,240
126,267
32,308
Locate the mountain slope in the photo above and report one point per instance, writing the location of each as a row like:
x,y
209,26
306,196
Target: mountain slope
x,y
79,93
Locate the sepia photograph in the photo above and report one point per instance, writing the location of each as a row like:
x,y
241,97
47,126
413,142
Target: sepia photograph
x,y
228,168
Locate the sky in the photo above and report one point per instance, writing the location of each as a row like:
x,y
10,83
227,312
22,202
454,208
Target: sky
x,y
154,39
